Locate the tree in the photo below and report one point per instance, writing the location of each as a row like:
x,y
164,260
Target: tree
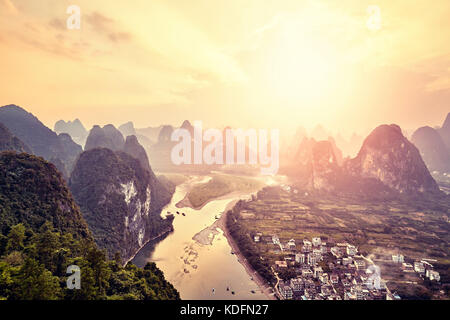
x,y
34,282
118,258
47,246
16,237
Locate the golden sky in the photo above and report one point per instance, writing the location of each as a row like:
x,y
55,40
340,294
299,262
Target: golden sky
x,y
244,63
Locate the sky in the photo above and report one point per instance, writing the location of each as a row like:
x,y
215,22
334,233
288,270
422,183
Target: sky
x,y
349,65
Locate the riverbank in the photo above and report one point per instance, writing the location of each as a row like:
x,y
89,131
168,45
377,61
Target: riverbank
x,y
161,235
191,255
185,203
219,186
262,285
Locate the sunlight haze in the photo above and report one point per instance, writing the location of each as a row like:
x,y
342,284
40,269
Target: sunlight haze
x,y
272,64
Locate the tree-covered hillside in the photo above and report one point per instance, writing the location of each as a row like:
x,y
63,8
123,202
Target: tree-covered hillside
x,y
42,232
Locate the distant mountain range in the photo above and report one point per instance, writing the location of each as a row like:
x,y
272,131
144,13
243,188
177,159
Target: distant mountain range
x,y
59,149
342,147
444,131
434,146
74,128
151,133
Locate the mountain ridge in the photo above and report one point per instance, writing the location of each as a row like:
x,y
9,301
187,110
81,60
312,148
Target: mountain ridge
x,y
40,139
120,200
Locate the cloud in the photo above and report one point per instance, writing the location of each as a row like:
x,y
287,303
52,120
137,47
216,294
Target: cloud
x,y
58,24
119,36
52,36
52,47
108,27
10,6
99,21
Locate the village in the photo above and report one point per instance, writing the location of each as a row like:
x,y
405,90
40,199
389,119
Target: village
x,y
319,270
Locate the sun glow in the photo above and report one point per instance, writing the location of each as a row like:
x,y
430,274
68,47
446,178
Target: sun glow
x,y
331,62
300,73
300,68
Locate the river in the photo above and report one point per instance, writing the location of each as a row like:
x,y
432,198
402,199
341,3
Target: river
x,y
203,268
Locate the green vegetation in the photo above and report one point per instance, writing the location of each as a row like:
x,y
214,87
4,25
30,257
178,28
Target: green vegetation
x,y
42,232
246,245
33,266
32,192
220,185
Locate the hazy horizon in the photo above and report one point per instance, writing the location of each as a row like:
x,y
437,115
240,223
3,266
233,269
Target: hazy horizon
x,y
264,65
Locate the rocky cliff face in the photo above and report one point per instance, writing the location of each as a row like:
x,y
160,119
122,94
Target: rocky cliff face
x,y
188,126
70,149
290,147
444,131
75,129
127,129
106,137
120,200
111,138
41,140
159,153
325,167
316,165
133,148
387,156
151,133
165,134
432,149
387,163
337,152
115,135
9,142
